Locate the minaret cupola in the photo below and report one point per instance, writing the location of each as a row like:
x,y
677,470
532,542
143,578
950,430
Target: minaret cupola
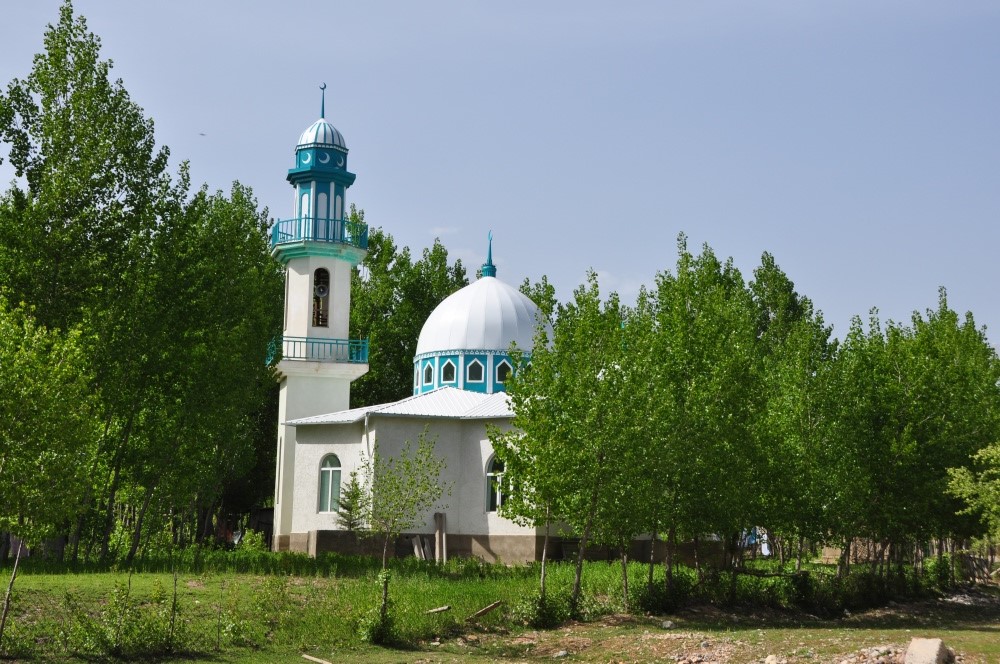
x,y
321,179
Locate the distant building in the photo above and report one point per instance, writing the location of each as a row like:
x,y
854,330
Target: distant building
x,y
460,368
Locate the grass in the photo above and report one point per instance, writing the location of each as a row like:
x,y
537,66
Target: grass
x,y
246,617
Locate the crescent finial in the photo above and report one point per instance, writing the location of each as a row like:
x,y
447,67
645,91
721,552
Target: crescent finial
x,y
322,103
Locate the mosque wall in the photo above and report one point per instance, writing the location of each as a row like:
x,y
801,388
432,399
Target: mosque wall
x,y
472,529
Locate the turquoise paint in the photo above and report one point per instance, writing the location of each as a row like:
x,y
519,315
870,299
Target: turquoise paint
x,y
315,349
489,269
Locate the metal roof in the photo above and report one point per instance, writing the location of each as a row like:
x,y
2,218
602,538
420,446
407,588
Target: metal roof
x,y
322,133
485,315
444,402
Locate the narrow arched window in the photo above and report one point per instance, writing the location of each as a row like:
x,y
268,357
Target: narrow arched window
x,y
321,298
329,484
448,372
474,372
428,374
494,484
503,371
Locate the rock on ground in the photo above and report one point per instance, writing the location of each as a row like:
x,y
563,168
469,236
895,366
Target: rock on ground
x,y
927,651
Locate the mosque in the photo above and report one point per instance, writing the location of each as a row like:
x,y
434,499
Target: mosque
x,y
459,371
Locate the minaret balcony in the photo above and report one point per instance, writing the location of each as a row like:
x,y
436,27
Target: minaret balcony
x,y
316,349
314,229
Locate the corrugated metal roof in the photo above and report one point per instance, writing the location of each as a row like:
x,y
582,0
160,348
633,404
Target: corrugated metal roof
x,y
497,405
446,402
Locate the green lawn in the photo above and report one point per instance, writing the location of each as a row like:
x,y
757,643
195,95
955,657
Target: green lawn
x,y
257,618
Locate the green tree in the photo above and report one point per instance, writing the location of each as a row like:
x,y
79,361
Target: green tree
x,y
567,423
213,293
47,430
543,294
391,298
979,487
352,502
701,365
401,490
174,298
796,352
70,241
75,242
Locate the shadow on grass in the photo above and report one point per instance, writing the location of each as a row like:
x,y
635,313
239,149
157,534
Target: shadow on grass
x,y
974,608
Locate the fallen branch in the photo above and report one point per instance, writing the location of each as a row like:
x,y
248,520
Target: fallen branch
x,y
440,609
316,659
485,610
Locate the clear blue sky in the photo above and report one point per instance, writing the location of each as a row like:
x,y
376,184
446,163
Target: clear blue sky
x,y
858,142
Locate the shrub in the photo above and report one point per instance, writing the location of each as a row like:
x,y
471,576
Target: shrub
x,y
541,611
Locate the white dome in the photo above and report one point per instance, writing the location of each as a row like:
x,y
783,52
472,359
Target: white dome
x,y
485,315
322,132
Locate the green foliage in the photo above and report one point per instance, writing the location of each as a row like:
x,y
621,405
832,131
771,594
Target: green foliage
x,y
47,425
391,297
125,628
539,611
169,300
352,503
979,486
402,488
377,625
543,294
253,540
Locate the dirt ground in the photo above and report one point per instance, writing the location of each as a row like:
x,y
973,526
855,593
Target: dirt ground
x,y
967,621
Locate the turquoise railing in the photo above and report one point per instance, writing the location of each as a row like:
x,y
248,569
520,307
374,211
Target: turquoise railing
x,y
342,231
354,351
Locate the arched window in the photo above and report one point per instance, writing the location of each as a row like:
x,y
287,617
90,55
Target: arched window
x,y
503,371
494,484
448,372
428,374
329,484
474,372
321,298
304,210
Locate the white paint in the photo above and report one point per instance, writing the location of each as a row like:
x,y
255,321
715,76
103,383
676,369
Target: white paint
x,y
462,443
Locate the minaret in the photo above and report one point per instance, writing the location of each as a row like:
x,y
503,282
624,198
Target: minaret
x,y
319,248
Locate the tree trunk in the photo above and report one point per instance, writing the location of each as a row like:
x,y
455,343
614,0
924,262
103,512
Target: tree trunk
x,y
119,453
545,552
384,609
798,554
844,565
697,564
137,532
624,557
574,598
109,513
652,562
10,589
669,559
74,539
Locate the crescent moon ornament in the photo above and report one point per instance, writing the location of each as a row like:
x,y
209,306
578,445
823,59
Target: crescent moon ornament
x,y
340,161
306,157
324,158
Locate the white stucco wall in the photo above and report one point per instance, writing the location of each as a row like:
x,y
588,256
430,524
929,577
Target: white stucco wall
x,y
299,298
463,444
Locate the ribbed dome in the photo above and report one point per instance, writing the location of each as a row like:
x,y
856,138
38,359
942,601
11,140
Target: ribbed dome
x,y
485,315
322,133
